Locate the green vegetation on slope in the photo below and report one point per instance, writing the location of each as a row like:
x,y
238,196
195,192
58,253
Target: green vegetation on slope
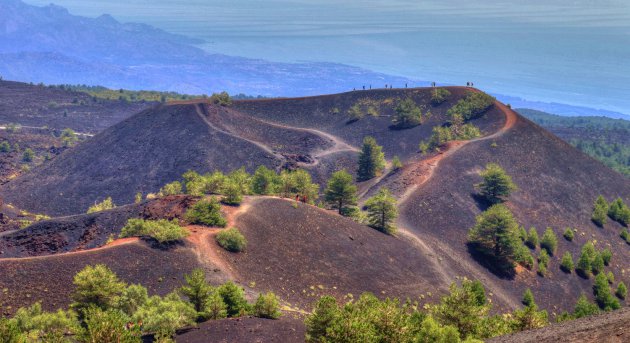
x,y
605,139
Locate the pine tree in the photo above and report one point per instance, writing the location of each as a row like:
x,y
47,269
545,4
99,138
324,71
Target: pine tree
x,y
528,297
597,264
549,241
584,308
382,211
600,211
622,291
371,160
497,184
197,290
567,262
568,234
408,114
603,296
340,191
532,238
496,236
584,263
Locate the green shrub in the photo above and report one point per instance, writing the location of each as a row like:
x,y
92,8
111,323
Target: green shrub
x,y
584,308
96,286
162,230
222,99
619,212
234,298
163,316
45,326
9,331
408,114
231,240
532,238
528,298
622,291
363,107
495,235
543,262
584,265
173,188
524,257
396,164
472,106
132,298
606,256
597,264
611,277
108,326
568,234
600,211
232,192
215,307
567,262
371,160
439,95
28,155
625,235
382,211
603,296
497,184
105,205
206,212
197,290
5,147
549,241
265,181
267,306
522,233
340,191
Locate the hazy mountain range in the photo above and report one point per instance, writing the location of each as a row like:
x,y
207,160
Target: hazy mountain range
x,y
48,44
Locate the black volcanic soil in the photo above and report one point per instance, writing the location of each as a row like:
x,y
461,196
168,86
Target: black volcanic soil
x,y
33,105
246,330
86,231
49,279
329,114
610,327
558,185
305,252
140,154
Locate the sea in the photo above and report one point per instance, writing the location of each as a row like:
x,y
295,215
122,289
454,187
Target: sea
x,y
562,51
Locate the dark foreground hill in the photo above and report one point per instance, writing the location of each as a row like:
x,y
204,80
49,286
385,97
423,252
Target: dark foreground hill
x,y
304,252
604,328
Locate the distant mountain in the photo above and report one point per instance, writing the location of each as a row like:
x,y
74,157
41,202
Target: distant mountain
x,y
48,44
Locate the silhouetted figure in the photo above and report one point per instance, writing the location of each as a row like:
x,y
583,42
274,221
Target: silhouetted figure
x,y
370,86
467,84
472,84
390,86
363,87
405,85
433,84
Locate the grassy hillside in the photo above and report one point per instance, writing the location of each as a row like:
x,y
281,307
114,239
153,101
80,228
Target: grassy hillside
x,y
606,139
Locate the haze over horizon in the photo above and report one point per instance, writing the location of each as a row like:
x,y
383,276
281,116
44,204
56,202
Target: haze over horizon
x,y
571,52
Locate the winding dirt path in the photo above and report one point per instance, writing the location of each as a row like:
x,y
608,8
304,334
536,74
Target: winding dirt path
x,y
118,242
339,145
422,172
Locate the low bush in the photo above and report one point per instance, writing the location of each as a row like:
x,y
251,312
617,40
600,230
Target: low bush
x,y
472,106
622,291
231,240
222,99
568,234
206,212
105,205
439,95
567,262
549,241
172,188
267,306
162,230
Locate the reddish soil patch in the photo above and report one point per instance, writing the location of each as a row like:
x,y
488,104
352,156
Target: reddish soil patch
x,y
557,187
610,327
87,231
246,330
